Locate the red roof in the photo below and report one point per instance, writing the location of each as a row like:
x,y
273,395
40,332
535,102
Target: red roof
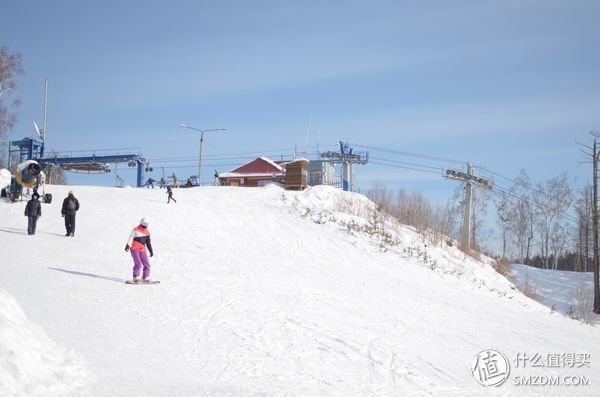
x,y
260,165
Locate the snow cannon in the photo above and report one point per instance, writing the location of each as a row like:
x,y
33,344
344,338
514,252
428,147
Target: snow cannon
x,y
29,174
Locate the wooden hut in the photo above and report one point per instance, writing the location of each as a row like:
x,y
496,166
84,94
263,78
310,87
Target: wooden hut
x,y
296,174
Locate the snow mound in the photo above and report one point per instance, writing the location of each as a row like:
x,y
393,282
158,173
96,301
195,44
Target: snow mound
x,y
4,178
30,363
325,204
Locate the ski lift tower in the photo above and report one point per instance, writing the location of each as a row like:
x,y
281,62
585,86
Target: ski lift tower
x,y
470,180
347,157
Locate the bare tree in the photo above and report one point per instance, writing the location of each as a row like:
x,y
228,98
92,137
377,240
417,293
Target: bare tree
x,y
55,175
414,209
503,203
421,213
382,197
583,208
559,238
520,215
10,68
402,207
443,223
479,206
553,198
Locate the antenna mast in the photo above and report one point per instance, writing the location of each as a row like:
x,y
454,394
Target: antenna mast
x,y
45,109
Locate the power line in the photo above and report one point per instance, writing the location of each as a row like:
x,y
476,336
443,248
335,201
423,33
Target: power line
x,y
168,159
406,163
405,168
532,202
435,158
282,151
496,174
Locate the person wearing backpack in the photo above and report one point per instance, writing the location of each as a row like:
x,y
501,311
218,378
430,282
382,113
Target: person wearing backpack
x,y
70,207
33,210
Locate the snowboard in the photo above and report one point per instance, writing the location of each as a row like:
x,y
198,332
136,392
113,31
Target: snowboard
x,y
142,283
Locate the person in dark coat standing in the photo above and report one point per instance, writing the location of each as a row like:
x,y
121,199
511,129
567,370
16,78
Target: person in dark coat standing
x,y
69,209
170,193
33,210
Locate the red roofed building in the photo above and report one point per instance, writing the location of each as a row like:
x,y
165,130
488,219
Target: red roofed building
x,y
258,172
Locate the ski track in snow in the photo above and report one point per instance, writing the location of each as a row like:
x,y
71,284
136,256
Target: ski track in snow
x,y
262,293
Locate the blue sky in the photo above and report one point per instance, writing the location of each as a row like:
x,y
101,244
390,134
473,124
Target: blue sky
x,y
503,84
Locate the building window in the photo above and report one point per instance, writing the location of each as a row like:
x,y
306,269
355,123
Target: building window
x,y
314,178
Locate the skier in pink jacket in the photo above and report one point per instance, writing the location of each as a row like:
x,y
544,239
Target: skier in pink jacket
x,y
139,240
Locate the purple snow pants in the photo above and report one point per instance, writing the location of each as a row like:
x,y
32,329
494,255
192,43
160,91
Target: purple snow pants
x,y
140,259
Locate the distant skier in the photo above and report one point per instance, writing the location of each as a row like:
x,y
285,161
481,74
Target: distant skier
x,y
33,210
150,183
162,183
139,240
70,207
175,181
170,193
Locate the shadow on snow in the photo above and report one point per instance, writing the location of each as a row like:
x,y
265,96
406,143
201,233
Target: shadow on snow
x,y
76,273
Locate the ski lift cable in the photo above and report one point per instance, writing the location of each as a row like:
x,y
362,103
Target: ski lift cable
x,y
435,158
406,163
406,168
258,152
534,203
496,174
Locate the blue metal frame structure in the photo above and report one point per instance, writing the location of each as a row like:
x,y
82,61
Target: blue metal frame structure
x,y
32,149
28,149
118,158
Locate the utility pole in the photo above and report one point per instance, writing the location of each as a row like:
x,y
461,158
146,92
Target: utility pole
x,y
595,217
45,110
470,181
595,229
466,237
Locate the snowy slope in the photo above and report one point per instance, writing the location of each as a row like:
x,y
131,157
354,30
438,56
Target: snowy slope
x,y
31,364
566,292
264,293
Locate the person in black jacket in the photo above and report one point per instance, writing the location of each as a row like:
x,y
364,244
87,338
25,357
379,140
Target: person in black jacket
x,y
70,207
33,210
170,193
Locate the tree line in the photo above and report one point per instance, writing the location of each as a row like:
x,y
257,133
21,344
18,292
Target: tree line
x,y
11,68
546,225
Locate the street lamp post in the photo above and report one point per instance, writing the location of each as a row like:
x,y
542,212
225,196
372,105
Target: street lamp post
x,y
183,125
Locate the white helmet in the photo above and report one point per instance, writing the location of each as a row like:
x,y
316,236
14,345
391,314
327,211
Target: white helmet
x,y
144,221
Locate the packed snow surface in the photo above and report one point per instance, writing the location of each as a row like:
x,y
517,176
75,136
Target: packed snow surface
x,y
30,363
263,292
566,292
4,178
